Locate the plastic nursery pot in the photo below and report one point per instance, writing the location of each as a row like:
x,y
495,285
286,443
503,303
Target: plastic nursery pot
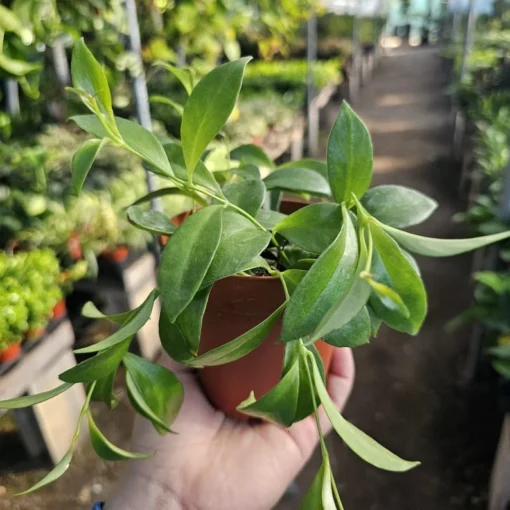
x,y
10,353
119,255
74,247
59,310
237,304
33,334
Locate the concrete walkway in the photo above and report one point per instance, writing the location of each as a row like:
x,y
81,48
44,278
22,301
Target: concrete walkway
x,y
408,392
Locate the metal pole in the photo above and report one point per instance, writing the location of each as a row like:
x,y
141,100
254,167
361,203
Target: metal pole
x,y
312,110
469,38
60,63
12,97
141,97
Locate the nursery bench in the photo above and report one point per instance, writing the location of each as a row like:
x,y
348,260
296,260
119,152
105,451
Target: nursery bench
x,y
49,426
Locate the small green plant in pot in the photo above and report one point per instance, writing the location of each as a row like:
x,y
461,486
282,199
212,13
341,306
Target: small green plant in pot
x,y
354,272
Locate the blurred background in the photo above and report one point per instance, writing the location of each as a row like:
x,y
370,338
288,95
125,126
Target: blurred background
x,y
431,78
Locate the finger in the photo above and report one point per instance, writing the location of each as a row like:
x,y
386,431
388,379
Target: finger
x,y
339,383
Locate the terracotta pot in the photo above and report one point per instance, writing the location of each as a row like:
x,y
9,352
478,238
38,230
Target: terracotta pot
x,y
163,240
179,219
74,247
33,334
11,353
119,255
291,205
237,304
59,310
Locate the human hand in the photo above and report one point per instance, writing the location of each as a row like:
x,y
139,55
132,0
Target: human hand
x,y
216,463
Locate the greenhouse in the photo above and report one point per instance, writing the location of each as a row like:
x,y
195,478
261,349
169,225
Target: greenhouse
x,y
254,254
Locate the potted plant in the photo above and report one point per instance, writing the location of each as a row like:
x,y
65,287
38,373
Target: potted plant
x,y
230,289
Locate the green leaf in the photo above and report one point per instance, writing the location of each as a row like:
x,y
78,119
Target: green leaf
x,y
375,322
82,161
240,237
389,298
432,247
313,227
359,442
239,347
16,67
90,124
104,391
105,449
181,339
248,195
158,393
320,494
299,180
355,333
144,143
279,404
269,219
350,156
312,164
246,172
155,98
98,366
170,191
398,206
88,75
293,278
208,108
90,311
399,275
201,177
187,257
53,475
328,279
32,400
137,319
251,154
184,75
155,222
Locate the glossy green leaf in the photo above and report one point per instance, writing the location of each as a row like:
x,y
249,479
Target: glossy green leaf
x,y
187,257
170,191
19,68
248,195
398,206
299,180
355,333
53,475
157,391
181,339
155,98
247,172
105,449
325,283
99,366
155,222
400,276
349,155
251,154
88,75
389,298
91,311
293,278
104,391
359,442
201,177
312,164
239,347
184,75
137,320
240,237
208,108
313,227
82,162
32,400
320,494
90,124
279,404
432,247
375,322
269,219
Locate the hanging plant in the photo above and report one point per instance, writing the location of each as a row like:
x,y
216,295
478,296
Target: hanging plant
x,y
350,270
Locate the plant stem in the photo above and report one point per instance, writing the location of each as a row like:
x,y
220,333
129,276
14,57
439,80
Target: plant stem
x,y
370,250
284,285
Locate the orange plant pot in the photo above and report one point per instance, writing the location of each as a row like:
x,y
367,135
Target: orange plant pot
x,y
33,334
59,310
11,353
237,304
118,255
